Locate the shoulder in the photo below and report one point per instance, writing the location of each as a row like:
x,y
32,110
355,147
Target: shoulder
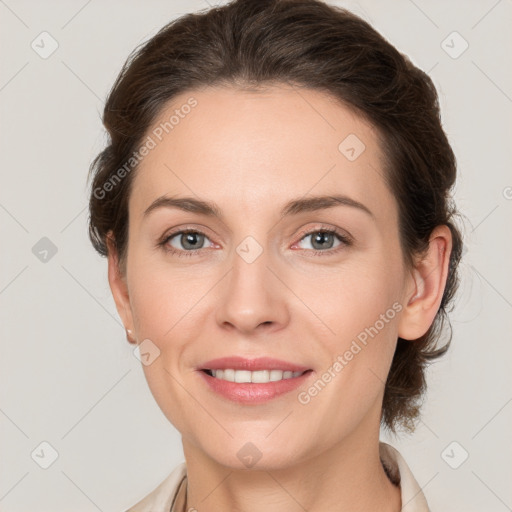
x,y
413,499
162,497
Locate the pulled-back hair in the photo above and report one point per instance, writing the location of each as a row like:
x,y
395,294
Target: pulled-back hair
x,y
251,44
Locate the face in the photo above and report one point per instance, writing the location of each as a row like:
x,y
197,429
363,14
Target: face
x,y
310,283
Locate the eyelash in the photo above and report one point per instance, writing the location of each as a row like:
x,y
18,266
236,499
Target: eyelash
x,y
346,241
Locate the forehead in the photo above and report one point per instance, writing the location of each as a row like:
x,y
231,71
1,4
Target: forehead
x,y
253,150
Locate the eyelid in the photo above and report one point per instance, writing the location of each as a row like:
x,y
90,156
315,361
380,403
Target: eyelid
x,y
164,240
344,235
345,238
203,230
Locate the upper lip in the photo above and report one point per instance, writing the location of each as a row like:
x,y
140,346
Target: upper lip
x,y
260,363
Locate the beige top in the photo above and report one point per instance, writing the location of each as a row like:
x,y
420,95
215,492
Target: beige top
x,y
170,495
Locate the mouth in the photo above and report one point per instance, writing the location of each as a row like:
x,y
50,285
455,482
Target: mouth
x,y
253,387
256,377
252,381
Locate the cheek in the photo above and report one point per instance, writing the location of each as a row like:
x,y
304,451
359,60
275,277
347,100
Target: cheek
x,y
150,308
159,297
162,305
356,298
362,307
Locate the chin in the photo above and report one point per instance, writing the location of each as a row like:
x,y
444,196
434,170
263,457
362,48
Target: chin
x,y
254,455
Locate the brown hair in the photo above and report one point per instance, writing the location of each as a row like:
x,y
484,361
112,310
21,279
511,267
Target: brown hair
x,y
253,43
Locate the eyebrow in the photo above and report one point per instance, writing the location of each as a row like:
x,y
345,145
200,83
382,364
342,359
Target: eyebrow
x,y
293,207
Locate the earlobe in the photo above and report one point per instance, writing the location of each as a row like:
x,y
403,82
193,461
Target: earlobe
x,y
426,286
119,288
129,336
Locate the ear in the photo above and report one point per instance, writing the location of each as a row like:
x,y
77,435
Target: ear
x,y
426,286
119,288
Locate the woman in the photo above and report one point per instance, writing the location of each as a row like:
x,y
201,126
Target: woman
x,y
274,204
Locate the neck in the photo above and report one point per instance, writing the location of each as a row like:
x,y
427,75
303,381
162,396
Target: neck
x,y
347,477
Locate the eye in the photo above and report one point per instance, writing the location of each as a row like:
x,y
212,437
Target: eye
x,y
185,242
323,240
188,242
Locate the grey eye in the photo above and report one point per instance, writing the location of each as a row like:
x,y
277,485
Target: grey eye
x,y
321,240
189,241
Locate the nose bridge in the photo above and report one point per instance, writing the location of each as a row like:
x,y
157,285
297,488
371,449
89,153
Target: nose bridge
x,y
250,260
250,250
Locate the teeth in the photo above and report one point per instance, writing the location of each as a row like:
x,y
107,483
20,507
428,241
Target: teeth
x,y
260,377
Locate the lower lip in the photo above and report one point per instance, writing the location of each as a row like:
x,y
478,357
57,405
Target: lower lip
x,y
252,393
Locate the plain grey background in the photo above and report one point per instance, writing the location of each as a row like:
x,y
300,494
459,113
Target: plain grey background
x,y
69,379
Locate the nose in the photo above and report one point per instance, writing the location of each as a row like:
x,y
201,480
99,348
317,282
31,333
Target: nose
x,y
253,297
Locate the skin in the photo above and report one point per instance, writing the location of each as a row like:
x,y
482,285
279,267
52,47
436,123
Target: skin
x,y
250,153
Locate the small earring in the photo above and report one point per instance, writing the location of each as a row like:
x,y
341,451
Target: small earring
x,y
129,336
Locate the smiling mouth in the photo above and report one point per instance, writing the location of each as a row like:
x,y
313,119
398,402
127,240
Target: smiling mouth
x,y
255,377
